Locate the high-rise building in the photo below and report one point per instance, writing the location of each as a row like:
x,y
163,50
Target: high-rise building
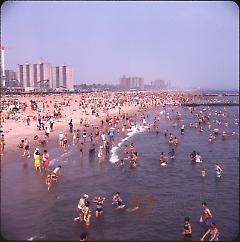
x,y
35,75
11,79
161,84
63,77
2,73
132,83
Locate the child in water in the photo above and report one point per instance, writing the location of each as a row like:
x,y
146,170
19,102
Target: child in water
x,y
203,172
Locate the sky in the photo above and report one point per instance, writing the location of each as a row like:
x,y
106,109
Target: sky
x,y
190,44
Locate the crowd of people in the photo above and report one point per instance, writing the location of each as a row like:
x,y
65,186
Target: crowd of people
x,y
113,122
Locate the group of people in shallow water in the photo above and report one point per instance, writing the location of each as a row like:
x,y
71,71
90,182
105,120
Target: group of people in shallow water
x,y
84,212
84,215
211,231
105,135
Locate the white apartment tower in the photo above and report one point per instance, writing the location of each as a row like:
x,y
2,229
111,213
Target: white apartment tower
x,y
44,74
63,77
33,75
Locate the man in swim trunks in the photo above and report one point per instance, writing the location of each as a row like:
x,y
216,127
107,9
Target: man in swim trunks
x,y
193,155
172,153
162,158
206,216
213,232
116,200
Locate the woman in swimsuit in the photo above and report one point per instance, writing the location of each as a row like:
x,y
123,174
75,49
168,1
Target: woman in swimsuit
x,y
99,201
86,214
48,181
187,228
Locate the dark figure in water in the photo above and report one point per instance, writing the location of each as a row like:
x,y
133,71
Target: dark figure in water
x,y
71,126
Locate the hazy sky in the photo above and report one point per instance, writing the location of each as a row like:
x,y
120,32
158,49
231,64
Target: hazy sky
x,y
190,44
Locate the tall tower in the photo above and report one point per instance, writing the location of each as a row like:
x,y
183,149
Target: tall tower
x,y
2,66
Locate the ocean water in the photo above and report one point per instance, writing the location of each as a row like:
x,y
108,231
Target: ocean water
x,y
165,195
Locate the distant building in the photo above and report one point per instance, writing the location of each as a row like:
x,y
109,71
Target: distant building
x,y
44,76
132,83
63,77
161,84
35,76
11,79
2,71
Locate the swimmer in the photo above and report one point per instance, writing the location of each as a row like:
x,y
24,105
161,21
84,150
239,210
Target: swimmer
x,y
213,232
206,216
182,129
26,148
187,228
121,162
56,173
61,139
99,201
81,149
37,161
162,159
86,214
100,153
198,158
218,170
172,154
83,237
116,200
203,172
81,206
224,135
45,159
132,148
21,145
193,155
211,137
133,159
48,181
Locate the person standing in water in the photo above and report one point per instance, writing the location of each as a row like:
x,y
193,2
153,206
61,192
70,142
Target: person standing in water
x,y
26,148
203,172
172,153
162,158
213,232
56,173
193,155
187,228
99,201
48,181
218,170
83,237
45,159
206,216
37,161
116,200
87,214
